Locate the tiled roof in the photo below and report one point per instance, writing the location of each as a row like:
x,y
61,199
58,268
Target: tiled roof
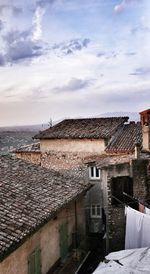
x,y
83,128
30,196
125,139
107,160
35,147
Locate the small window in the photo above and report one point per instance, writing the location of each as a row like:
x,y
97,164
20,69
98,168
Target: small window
x,y
96,211
94,173
34,262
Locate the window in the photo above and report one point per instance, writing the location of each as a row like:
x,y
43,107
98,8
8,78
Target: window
x,y
94,173
96,211
34,262
118,186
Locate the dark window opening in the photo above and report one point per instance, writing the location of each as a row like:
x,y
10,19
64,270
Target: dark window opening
x,y
97,172
92,171
118,186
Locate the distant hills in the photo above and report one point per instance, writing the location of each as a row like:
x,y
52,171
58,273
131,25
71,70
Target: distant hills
x,y
16,136
26,128
133,116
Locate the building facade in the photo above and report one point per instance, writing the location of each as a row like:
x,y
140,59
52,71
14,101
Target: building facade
x,y
42,217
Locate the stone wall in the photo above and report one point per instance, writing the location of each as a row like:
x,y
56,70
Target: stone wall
x,y
32,157
115,217
47,239
140,179
114,214
71,163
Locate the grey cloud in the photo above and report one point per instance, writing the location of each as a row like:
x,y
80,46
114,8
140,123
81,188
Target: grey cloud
x,y
43,3
2,60
15,9
19,46
141,71
1,25
23,50
140,28
107,55
14,36
101,54
74,85
130,53
71,46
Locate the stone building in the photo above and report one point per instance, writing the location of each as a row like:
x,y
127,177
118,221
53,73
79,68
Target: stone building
x,y
41,217
100,150
125,179
67,146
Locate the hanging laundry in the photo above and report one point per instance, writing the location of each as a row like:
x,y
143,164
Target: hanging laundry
x,y
133,228
141,208
145,241
147,210
137,229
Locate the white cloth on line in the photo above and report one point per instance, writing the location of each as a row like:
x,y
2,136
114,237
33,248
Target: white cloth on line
x,y
134,224
137,229
145,240
147,210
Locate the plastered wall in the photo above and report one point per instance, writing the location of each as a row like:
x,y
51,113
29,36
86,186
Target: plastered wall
x,y
70,145
47,238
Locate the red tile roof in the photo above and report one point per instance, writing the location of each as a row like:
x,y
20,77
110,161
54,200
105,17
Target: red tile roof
x,y
83,128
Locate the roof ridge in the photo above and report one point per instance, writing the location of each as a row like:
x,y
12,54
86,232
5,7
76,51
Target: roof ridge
x,y
99,127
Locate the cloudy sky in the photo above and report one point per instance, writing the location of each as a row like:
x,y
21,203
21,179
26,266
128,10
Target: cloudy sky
x,y
73,58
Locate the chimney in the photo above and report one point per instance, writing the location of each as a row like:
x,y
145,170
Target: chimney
x,y
137,151
145,122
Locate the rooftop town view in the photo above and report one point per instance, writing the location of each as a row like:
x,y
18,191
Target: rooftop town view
x,y
74,137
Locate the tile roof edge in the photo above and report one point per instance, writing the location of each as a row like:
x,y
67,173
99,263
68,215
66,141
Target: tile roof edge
x,y
38,135
13,247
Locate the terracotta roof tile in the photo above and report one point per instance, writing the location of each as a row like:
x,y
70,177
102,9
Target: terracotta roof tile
x,y
83,128
125,139
35,147
30,196
107,160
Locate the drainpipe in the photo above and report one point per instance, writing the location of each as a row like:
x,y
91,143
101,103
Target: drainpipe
x,y
107,232
76,227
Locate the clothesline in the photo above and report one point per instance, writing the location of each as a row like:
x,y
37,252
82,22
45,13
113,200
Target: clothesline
x,y
137,229
129,203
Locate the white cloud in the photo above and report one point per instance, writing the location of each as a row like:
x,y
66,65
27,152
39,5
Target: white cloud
x,y
37,23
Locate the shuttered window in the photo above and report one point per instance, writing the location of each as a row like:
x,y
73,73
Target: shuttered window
x,y
34,262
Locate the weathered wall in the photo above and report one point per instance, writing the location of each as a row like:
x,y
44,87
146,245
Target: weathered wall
x,y
114,214
47,238
62,160
140,179
138,171
94,196
32,157
146,137
73,145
